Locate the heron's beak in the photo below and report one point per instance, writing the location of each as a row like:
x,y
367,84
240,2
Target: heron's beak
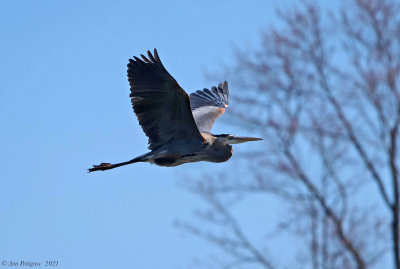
x,y
241,139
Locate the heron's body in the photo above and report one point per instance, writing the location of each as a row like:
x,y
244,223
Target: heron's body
x,y
178,128
178,152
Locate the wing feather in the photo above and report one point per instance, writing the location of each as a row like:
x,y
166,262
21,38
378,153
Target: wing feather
x,y
207,105
160,104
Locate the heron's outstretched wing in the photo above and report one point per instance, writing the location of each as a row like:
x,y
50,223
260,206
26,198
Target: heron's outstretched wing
x,y
161,105
208,105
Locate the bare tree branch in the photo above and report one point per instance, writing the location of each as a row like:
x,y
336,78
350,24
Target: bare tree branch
x,y
323,92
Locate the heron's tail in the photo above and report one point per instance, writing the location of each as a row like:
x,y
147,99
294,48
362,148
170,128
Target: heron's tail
x,y
107,166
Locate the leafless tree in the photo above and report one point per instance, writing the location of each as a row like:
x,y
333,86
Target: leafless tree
x,y
323,91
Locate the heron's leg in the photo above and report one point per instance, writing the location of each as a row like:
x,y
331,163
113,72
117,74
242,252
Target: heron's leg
x,y
107,166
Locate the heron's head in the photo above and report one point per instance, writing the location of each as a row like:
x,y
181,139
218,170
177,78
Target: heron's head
x,y
228,139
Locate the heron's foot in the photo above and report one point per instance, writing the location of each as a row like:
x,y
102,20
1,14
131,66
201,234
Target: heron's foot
x,y
100,167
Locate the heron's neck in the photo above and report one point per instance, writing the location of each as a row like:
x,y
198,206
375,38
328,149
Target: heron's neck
x,y
208,137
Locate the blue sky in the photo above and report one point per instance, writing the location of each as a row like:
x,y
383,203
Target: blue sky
x,y
65,106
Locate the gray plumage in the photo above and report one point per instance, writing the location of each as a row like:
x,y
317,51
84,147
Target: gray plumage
x,y
208,105
178,128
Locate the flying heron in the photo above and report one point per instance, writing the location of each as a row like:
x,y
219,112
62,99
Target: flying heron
x,y
178,127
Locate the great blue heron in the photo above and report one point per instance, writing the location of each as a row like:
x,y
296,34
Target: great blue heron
x,y
178,127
